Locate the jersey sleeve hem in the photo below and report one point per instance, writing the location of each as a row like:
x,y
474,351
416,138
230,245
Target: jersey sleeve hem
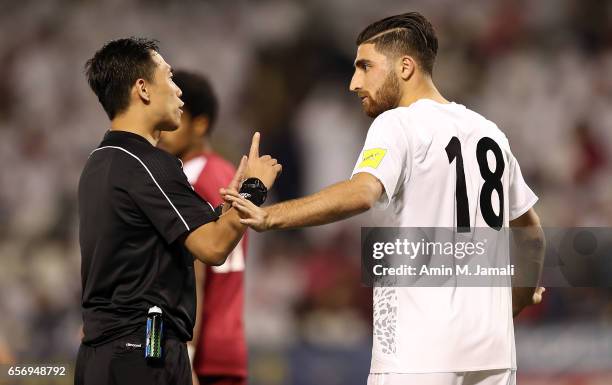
x,y
517,213
193,224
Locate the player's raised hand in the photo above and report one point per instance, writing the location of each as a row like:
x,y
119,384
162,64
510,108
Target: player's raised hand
x,y
251,215
264,167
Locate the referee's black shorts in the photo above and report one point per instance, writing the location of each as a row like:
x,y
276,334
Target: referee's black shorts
x,y
122,362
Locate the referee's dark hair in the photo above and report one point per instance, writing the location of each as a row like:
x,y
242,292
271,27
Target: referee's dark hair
x,y
198,96
114,69
406,34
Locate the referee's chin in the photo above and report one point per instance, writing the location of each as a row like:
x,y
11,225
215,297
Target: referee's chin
x,y
168,125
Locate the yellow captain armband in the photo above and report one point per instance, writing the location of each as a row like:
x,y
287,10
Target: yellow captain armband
x,y
372,158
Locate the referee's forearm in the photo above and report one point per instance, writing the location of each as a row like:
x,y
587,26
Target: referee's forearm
x,y
212,242
334,203
226,233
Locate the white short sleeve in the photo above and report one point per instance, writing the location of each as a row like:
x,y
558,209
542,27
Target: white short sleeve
x,y
385,155
521,197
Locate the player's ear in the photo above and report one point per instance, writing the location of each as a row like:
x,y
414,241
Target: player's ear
x,y
407,67
200,125
142,91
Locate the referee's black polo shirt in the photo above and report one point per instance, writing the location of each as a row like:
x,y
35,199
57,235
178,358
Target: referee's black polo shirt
x,y
135,207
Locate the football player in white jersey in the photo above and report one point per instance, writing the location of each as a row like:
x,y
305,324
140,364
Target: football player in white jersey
x,y
431,163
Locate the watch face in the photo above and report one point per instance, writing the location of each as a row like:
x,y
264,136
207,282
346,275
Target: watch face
x,y
255,183
254,190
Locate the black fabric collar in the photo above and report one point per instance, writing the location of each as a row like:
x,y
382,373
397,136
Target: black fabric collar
x,y
121,135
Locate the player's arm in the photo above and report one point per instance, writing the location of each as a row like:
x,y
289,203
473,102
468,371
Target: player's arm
x,y
334,203
530,247
380,170
212,242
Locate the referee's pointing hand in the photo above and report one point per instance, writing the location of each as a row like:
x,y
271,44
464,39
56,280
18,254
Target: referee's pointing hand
x,y
264,167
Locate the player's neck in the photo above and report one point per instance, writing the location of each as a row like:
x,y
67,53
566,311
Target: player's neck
x,y
131,123
425,89
196,150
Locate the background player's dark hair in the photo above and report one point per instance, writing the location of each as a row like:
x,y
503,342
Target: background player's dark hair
x,y
198,96
406,34
114,69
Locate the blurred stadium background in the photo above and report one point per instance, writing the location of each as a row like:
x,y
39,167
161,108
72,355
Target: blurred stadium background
x,y
540,69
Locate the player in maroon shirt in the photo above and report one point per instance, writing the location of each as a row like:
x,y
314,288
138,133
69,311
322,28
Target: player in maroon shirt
x,y
218,348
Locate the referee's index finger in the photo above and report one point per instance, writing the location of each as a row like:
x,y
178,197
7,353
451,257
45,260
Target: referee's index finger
x,y
254,152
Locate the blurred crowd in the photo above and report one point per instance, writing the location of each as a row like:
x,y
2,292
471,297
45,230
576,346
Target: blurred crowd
x,y
540,69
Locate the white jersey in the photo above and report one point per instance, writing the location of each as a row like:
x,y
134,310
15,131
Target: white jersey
x,y
416,152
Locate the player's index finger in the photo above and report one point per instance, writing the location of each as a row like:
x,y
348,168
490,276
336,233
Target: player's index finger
x,y
254,152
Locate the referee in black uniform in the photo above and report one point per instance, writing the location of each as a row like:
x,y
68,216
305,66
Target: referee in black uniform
x,y
141,223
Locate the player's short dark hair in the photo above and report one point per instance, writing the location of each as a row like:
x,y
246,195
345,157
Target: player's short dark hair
x,y
406,34
114,69
198,96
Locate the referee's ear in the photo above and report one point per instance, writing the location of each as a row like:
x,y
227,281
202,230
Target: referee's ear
x,y
141,90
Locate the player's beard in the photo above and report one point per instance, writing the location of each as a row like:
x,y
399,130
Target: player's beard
x,y
387,97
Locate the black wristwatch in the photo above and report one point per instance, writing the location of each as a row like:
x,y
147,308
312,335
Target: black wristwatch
x,y
254,190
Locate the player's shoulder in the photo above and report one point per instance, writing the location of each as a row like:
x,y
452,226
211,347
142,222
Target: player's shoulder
x,y
415,119
407,124
478,117
390,117
488,127
418,112
390,123
427,107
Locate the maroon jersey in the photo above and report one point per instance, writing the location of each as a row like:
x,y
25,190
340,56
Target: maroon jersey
x,y
221,348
